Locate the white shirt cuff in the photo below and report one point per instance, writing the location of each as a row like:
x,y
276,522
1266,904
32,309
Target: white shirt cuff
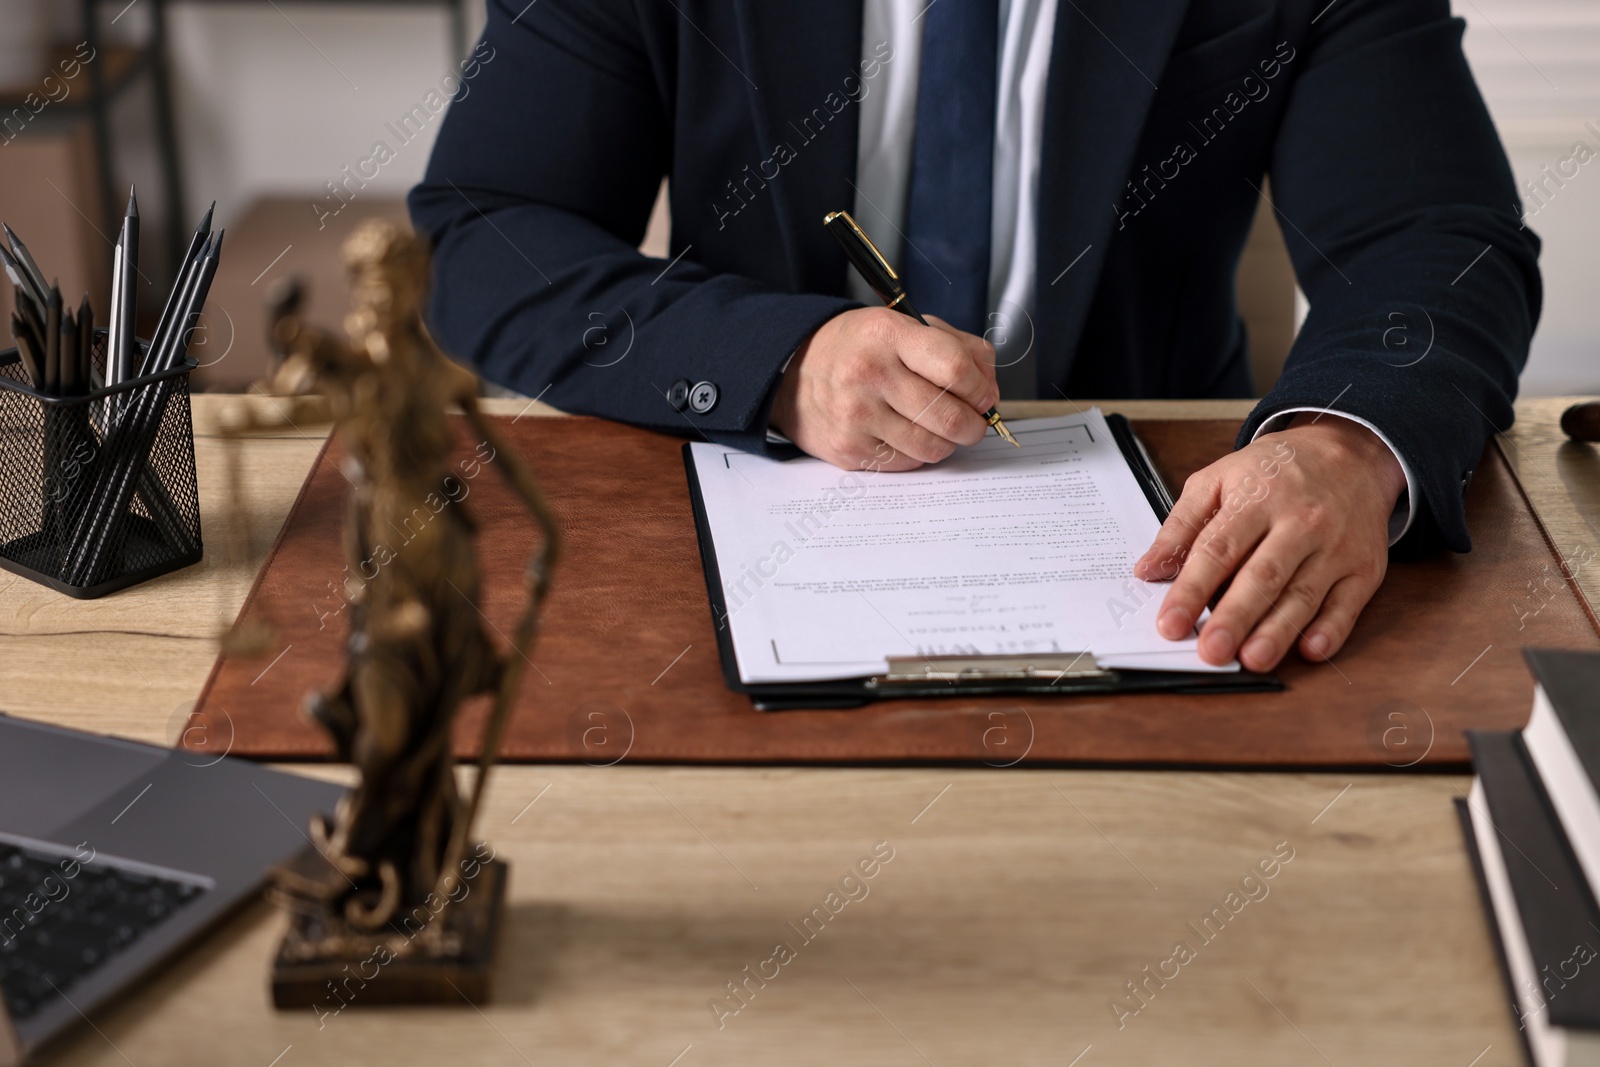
x,y
773,436
1400,520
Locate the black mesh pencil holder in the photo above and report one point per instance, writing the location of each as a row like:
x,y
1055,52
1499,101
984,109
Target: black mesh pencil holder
x,y
97,492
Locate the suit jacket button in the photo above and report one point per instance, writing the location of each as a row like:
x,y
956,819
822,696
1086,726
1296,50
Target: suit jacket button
x,y
703,397
678,394
1466,480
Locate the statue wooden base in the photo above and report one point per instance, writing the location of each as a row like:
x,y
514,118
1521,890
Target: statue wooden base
x,y
325,963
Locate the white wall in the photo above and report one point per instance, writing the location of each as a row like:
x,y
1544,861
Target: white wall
x,y
1538,63
277,98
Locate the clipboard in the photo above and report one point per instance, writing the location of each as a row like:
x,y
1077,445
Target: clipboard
x,y
919,677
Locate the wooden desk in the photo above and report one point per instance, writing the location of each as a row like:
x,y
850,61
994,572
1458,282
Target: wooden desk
x,y
1016,906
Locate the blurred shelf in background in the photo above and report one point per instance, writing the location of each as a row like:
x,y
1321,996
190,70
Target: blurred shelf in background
x,y
272,240
48,181
59,183
121,65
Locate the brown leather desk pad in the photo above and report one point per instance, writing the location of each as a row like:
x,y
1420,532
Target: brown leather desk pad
x,y
626,667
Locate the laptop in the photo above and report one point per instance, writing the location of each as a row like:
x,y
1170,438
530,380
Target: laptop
x,y
114,854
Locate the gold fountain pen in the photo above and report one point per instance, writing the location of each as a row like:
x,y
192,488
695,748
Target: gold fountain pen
x,y
875,270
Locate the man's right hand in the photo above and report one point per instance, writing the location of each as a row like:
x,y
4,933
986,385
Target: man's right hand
x,y
872,377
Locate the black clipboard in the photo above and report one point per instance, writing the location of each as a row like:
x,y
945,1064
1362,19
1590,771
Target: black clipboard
x,y
1064,674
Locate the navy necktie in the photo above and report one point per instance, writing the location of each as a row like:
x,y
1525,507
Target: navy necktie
x,y
945,263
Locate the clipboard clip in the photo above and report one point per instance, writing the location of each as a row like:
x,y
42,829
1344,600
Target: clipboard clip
x,y
1048,668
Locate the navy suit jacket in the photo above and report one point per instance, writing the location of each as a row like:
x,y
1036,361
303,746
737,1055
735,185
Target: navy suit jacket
x,y
1162,118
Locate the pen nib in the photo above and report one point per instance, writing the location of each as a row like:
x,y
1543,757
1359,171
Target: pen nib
x,y
994,420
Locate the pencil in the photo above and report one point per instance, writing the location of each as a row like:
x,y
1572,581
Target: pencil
x,y
19,277
52,342
85,348
31,358
197,246
29,267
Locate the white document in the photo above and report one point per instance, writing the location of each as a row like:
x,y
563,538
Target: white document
x,y
997,550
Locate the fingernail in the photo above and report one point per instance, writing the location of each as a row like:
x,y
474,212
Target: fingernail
x,y
1258,650
1320,643
1174,624
1218,644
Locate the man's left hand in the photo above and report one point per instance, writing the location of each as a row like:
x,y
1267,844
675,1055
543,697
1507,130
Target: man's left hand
x,y
1299,520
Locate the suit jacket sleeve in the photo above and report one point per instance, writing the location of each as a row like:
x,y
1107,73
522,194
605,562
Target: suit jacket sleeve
x,y
536,198
1402,219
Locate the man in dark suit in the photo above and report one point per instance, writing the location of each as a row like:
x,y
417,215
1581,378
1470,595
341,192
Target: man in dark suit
x,y
1068,185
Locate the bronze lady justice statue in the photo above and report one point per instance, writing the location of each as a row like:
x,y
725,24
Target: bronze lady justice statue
x,y
417,644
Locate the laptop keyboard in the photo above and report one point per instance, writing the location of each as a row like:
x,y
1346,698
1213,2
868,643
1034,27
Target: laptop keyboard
x,y
54,930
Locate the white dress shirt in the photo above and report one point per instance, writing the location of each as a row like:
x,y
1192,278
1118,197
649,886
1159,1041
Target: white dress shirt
x,y
888,123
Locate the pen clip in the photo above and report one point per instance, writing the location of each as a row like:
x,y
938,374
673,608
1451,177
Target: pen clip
x,y
861,234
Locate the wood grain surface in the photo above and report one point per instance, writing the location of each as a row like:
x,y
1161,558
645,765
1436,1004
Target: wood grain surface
x,y
1017,905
